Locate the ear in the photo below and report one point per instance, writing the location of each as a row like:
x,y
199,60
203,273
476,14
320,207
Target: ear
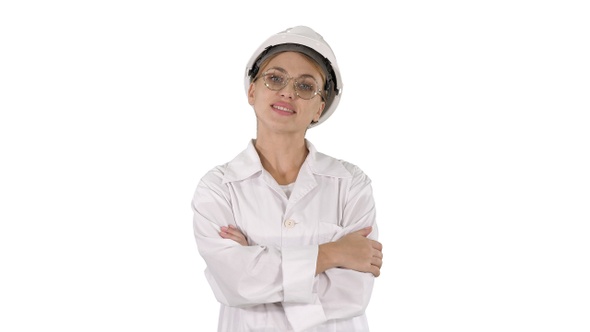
x,y
316,116
251,93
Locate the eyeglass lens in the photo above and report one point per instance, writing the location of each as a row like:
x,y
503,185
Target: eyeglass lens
x,y
306,86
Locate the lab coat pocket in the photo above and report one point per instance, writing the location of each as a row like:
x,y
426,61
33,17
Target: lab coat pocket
x,y
328,232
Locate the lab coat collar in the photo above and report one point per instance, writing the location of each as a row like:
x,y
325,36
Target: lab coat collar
x,y
247,163
322,164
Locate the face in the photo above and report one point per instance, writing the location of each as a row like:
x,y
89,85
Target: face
x,y
283,110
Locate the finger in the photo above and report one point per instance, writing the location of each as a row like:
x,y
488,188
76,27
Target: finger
x,y
378,254
365,231
231,233
377,245
229,228
234,231
378,262
376,271
227,235
227,232
239,239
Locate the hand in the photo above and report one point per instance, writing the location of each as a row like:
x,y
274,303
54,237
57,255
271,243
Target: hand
x,y
353,251
234,234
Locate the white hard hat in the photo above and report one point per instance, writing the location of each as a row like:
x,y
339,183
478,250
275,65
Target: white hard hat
x,y
304,40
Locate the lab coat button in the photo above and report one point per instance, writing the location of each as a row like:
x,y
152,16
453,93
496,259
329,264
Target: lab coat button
x,y
289,223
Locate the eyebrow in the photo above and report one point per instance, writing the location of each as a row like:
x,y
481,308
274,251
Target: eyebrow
x,y
285,70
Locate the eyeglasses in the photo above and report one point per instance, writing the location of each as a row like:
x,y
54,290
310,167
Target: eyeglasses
x,y
306,87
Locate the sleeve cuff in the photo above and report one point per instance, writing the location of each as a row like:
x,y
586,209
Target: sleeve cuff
x,y
299,265
304,316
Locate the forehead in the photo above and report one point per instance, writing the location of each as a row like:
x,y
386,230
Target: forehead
x,y
295,63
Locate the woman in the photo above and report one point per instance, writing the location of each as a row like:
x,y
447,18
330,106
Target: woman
x,y
288,233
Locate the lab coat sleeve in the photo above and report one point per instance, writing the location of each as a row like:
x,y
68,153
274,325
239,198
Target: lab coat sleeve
x,y
346,293
342,293
243,275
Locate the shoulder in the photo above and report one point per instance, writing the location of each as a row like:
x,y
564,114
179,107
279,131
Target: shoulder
x,y
351,170
355,170
215,174
243,165
211,185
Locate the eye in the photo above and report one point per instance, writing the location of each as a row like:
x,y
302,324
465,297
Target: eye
x,y
307,84
304,87
276,78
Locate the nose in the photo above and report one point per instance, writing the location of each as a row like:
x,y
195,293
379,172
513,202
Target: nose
x,y
289,90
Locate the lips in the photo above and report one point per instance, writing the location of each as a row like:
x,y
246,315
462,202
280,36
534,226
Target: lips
x,y
283,108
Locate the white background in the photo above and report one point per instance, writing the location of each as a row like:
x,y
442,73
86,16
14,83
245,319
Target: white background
x,y
471,118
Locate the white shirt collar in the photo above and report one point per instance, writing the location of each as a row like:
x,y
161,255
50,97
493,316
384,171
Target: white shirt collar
x,y
247,164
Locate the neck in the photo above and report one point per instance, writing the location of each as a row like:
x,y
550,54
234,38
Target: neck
x,y
281,156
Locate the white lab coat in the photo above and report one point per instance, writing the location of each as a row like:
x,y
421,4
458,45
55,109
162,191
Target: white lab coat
x,y
270,285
